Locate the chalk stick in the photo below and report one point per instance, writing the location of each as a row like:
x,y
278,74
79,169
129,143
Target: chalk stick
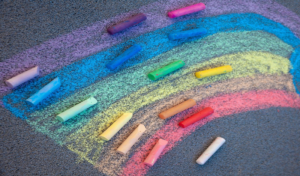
x,y
155,152
187,34
75,110
196,117
166,70
131,140
23,77
218,142
127,23
177,109
213,71
129,53
116,126
186,10
44,92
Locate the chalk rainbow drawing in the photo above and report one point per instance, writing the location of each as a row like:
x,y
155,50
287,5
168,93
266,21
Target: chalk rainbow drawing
x,y
266,73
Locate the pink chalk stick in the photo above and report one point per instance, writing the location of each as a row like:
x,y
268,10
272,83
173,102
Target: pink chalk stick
x,y
23,77
186,10
155,152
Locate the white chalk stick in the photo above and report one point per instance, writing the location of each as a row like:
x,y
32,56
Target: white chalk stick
x,y
75,110
218,142
115,127
131,140
23,77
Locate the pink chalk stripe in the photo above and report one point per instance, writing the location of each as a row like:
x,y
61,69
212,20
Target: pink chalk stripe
x,y
223,105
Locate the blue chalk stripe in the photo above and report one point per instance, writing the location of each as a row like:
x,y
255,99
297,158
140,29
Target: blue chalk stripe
x,y
187,34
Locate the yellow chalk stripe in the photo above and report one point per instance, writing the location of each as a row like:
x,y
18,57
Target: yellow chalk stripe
x,y
244,64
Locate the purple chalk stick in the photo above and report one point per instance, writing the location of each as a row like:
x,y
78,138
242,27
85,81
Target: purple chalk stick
x,y
127,23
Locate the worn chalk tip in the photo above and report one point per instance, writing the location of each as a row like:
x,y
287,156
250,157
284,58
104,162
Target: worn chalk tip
x,y
171,15
221,139
198,75
148,164
162,142
29,102
109,66
120,152
200,162
9,84
181,125
104,138
110,30
60,119
162,116
92,101
172,36
152,77
141,128
37,69
128,114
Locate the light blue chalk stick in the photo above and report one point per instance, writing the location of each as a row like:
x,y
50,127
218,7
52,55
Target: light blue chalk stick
x,y
187,34
44,92
75,110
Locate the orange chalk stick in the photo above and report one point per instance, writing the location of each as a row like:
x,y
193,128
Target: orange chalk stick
x,y
177,109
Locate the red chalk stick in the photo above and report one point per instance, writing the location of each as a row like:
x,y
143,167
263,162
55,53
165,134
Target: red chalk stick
x,y
196,117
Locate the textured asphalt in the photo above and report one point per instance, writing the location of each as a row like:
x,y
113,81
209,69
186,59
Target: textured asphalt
x,y
258,143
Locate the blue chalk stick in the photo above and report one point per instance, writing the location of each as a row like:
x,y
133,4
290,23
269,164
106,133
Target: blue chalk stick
x,y
187,34
129,53
44,92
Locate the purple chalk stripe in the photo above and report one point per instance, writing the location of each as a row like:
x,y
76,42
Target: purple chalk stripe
x,y
55,53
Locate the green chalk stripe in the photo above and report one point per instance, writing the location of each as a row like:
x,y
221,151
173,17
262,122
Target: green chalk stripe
x,y
166,70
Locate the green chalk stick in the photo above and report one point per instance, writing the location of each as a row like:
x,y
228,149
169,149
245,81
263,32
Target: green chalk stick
x,y
166,70
75,110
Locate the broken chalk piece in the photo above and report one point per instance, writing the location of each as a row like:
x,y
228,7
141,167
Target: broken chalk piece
x,y
186,10
166,70
187,34
44,92
131,140
129,53
214,71
23,77
116,126
75,110
127,23
196,117
177,109
155,152
218,142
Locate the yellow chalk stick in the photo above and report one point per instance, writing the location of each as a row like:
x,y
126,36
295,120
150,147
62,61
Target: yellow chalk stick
x,y
116,126
213,71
